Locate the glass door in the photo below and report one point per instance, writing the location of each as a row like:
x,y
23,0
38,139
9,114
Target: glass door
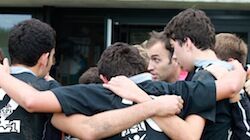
x,y
134,34
79,46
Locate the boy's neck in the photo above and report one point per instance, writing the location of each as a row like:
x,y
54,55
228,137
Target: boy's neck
x,y
205,55
34,69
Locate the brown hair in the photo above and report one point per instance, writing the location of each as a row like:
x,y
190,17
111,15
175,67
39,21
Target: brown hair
x,y
121,59
90,76
142,52
230,46
194,24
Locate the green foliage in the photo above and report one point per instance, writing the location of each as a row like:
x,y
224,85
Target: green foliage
x,y
4,41
3,38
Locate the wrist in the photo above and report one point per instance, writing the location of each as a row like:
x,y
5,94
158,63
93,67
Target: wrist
x,y
143,98
237,97
155,104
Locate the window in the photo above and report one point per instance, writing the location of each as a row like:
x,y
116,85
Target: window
x,y
7,22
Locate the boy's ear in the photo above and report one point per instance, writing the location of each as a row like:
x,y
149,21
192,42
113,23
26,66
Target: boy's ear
x,y
43,60
188,43
103,78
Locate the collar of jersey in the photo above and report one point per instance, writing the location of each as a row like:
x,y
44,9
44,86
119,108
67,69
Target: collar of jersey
x,y
19,69
205,63
139,78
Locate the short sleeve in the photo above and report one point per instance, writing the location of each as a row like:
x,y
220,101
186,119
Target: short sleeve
x,y
199,98
85,99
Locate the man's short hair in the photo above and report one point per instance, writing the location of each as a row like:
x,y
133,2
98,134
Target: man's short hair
x,y
194,24
121,59
230,46
90,76
28,40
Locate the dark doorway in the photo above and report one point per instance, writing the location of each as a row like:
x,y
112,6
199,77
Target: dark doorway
x,y
80,41
134,34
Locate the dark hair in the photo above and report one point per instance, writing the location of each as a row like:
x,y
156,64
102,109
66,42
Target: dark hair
x,y
90,76
230,46
160,37
28,40
121,59
1,56
194,24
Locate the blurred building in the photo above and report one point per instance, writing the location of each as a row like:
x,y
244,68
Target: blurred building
x,y
86,27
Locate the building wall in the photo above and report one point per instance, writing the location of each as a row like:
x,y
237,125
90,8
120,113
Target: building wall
x,y
84,31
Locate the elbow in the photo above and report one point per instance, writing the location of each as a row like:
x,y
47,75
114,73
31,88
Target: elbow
x,y
191,138
29,105
234,90
194,138
89,134
188,137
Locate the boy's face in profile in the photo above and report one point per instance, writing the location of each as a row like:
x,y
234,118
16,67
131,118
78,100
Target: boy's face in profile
x,y
182,53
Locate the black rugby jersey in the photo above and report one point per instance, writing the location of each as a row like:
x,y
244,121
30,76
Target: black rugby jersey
x,y
16,122
93,98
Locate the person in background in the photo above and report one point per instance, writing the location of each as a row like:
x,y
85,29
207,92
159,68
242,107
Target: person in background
x,y
143,52
162,65
228,46
90,76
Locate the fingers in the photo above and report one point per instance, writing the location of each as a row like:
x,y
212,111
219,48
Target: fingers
x,y
111,85
180,104
108,86
121,82
180,99
5,61
6,65
236,64
238,74
247,87
103,78
248,73
172,104
177,105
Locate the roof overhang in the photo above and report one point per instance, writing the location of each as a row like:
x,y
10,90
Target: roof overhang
x,y
145,4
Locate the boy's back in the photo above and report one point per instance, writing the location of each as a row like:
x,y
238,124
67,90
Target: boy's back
x,y
16,122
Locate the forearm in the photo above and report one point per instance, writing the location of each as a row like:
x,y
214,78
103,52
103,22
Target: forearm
x,y
229,82
28,97
104,124
13,87
173,126
226,89
142,97
72,125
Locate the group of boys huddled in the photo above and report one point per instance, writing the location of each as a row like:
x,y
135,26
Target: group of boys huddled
x,y
134,92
